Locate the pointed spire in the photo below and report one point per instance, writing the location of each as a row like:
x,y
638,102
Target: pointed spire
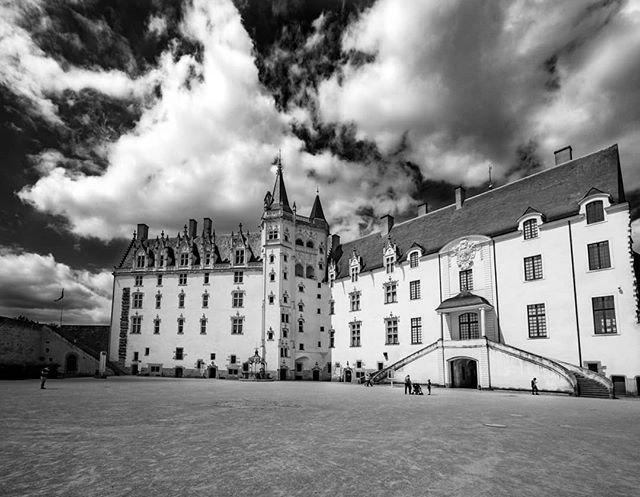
x,y
279,195
316,210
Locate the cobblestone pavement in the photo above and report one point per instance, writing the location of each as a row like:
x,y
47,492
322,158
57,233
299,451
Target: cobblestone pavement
x,y
194,437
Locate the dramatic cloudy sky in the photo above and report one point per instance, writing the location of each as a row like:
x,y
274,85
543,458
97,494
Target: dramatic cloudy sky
x,y
115,112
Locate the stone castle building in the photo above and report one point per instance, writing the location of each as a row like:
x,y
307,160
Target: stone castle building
x,y
531,279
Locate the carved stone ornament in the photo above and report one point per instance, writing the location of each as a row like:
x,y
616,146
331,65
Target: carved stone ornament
x,y
465,252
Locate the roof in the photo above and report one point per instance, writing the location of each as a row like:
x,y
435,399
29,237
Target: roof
x,y
555,192
316,210
280,192
463,299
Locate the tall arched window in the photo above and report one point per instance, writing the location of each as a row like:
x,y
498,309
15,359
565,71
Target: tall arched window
x,y
310,272
469,326
299,270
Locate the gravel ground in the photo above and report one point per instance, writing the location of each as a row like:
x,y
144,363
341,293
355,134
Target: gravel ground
x,y
192,437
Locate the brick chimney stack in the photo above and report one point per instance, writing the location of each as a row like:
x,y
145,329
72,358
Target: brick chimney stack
x,y
142,232
387,224
193,228
563,155
423,208
460,197
207,226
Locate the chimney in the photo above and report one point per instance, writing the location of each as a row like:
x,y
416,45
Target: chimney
x,y
387,224
142,232
460,196
563,155
193,228
335,241
423,208
207,226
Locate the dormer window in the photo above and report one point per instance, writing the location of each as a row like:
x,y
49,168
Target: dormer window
x,y
414,258
390,263
140,260
530,229
272,233
529,223
239,256
595,212
355,270
184,259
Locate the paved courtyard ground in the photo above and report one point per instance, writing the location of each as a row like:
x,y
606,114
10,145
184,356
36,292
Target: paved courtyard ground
x,y
188,437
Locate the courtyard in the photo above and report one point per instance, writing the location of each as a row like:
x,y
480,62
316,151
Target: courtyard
x,y
132,436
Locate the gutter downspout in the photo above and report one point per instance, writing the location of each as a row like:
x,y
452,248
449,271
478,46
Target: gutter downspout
x,y
575,296
444,369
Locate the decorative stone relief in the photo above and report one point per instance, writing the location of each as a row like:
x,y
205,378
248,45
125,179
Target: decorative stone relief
x,y
465,251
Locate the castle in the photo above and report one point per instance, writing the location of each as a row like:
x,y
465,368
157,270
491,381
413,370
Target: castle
x,y
531,279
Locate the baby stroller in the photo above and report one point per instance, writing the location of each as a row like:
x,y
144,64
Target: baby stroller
x,y
417,389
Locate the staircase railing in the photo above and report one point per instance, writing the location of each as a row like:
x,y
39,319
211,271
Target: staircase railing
x,y
591,375
379,375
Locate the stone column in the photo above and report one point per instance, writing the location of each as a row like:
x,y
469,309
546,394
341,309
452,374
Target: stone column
x,y
483,327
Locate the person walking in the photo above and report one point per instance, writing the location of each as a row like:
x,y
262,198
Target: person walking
x,y
429,387
407,385
534,387
44,374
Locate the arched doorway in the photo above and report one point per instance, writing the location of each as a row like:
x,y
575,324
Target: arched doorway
x,y
316,375
347,376
283,374
71,364
213,372
464,373
179,372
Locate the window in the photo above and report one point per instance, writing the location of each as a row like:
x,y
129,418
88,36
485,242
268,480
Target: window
x,y
413,259
321,328
238,299
466,280
180,326
138,280
604,315
300,326
272,277
354,299
332,339
285,298
212,356
301,347
285,257
416,330
300,306
391,325
599,255
537,321
159,283
136,325
207,258
179,353
332,307
595,212
284,352
530,229
156,326
137,300
270,334
354,327
271,299
311,274
272,259
299,242
469,326
140,260
135,356
238,277
318,296
184,259
272,233
309,244
319,344
182,279
284,317
236,325
358,364
414,290
301,288
533,267
318,311
206,278
285,332
181,300
239,256
146,351
390,293
203,325
284,275
158,300
354,274
233,359
390,263
205,300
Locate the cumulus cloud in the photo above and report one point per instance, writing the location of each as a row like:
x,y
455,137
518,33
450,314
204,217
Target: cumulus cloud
x,y
31,282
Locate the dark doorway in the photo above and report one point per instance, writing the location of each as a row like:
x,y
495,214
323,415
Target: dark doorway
x,y
316,375
619,385
71,365
213,371
178,372
347,375
134,369
283,374
464,373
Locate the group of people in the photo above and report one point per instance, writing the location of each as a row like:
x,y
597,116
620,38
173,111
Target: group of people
x,y
415,388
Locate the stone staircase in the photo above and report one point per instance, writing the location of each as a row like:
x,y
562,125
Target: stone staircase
x,y
588,387
383,373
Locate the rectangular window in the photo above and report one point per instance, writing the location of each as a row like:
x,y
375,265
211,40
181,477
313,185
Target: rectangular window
x,y
238,299
354,299
604,315
233,359
138,281
537,321
301,326
599,257
236,325
391,325
203,326
179,353
206,278
136,325
184,259
332,307
156,326
182,279
238,277
207,258
354,274
135,356
271,299
319,344
181,300
205,300
140,261
595,212
284,317
332,339
416,330
390,263
146,351
414,290
533,268
272,277
159,283
239,256
158,301
180,326
530,229
284,352
466,280
301,347
355,333
390,293
212,356
137,301
413,259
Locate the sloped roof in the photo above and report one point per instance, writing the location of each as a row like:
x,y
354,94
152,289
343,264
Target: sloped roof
x,y
556,191
463,299
280,192
316,210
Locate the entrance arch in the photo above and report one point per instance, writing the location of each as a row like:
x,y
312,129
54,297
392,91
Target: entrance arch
x,y
71,364
347,376
464,372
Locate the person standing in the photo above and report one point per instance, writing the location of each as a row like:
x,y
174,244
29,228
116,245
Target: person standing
x,y
407,385
44,374
429,386
534,387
